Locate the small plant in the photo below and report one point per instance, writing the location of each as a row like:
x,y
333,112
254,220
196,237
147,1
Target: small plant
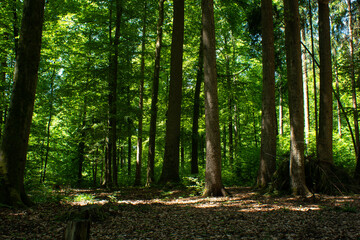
x,y
81,198
195,184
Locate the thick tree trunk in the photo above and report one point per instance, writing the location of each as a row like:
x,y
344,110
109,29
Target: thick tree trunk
x,y
17,129
154,98
296,100
268,126
324,143
213,181
196,113
354,101
170,170
141,102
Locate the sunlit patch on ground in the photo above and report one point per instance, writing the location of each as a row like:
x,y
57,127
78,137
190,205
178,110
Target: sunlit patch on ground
x,y
139,213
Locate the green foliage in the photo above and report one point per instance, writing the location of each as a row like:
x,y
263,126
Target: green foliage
x,y
71,106
44,194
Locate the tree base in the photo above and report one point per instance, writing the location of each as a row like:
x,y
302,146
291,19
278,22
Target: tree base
x,y
212,192
320,178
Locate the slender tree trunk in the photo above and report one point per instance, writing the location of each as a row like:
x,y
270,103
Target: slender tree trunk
x,y
111,176
81,147
306,90
170,170
255,129
14,143
324,143
230,104
113,105
224,143
338,102
154,98
48,129
196,112
107,176
141,102
314,71
281,127
213,181
15,27
268,125
182,149
296,99
3,107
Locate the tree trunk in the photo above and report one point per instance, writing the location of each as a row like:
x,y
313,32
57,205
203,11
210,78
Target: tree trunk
x,y
48,129
213,181
170,170
15,27
353,84
154,98
17,129
337,101
81,147
296,100
324,143
281,125
268,125
3,104
230,104
141,102
314,71
196,113
306,90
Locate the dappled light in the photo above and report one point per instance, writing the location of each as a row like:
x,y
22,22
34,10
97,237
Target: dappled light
x,y
142,213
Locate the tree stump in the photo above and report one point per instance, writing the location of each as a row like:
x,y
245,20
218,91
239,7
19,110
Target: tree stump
x,y
77,230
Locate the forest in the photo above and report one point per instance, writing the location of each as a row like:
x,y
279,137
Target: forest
x,y
237,99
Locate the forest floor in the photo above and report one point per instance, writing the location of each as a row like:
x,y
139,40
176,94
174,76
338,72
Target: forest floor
x,y
141,213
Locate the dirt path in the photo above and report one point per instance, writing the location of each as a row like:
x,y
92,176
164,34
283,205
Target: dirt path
x,y
156,214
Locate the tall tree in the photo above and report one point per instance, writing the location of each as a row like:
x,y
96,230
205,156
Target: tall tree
x,y
170,170
324,142
213,180
141,101
354,98
268,125
111,170
154,98
14,143
313,69
296,100
306,89
196,112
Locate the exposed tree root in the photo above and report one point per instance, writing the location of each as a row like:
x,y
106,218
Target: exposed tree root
x,y
320,178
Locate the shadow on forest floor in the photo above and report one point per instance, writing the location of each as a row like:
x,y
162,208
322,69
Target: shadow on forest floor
x,y
141,213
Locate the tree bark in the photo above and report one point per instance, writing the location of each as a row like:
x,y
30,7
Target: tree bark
x,y
154,98
296,99
213,180
268,126
324,143
170,170
17,129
